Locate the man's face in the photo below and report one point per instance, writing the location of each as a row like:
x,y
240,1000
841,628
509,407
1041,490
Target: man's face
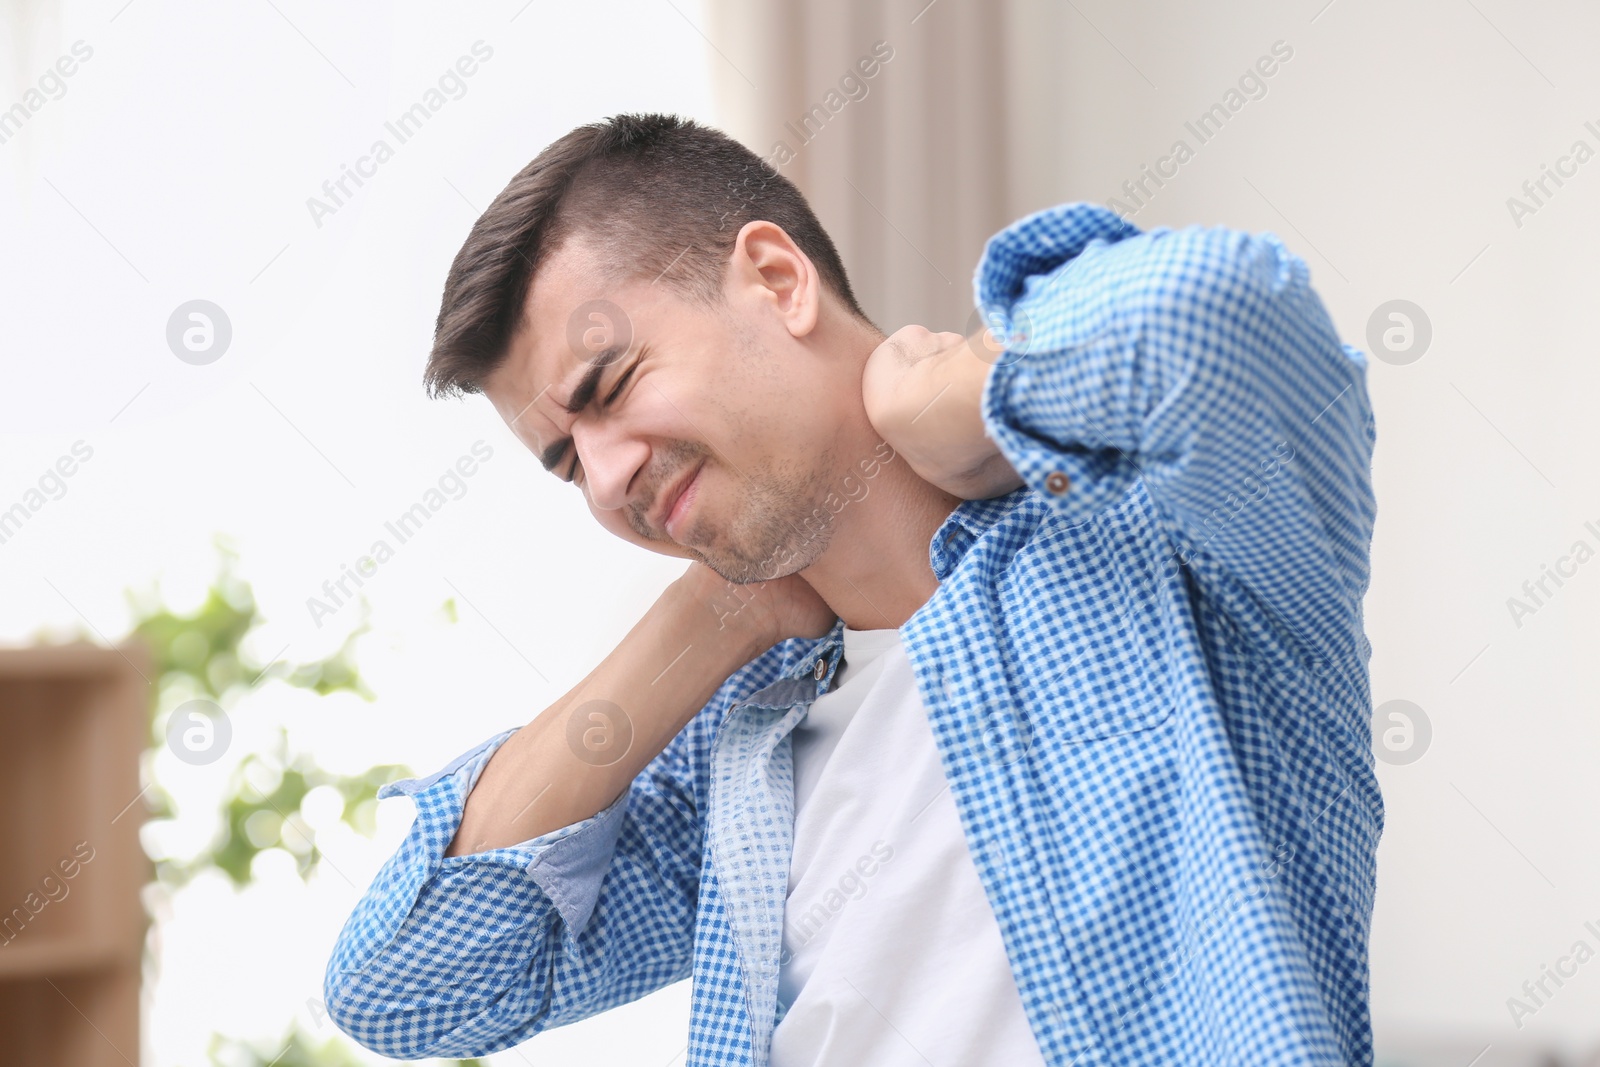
x,y
731,398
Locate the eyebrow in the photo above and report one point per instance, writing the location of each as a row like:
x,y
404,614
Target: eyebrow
x,y
581,398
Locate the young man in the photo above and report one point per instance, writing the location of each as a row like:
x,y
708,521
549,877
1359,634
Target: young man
x,y
1015,707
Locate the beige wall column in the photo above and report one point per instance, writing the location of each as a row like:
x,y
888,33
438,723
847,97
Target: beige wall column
x,y
909,169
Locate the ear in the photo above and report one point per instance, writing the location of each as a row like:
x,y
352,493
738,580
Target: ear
x,y
769,267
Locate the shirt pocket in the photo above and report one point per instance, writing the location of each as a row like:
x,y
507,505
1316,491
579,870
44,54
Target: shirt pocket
x,y
1087,648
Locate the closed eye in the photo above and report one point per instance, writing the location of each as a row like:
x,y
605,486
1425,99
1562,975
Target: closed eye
x,y
620,383
616,391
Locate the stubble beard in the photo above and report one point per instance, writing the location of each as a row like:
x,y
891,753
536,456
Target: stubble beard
x,y
773,532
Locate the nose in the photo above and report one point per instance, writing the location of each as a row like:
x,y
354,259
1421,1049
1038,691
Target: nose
x,y
611,460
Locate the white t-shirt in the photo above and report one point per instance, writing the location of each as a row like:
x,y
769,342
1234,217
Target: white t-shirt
x,y
891,952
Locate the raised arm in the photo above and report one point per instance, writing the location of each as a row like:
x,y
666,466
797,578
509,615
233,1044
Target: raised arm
x,y
568,884
579,755
1198,360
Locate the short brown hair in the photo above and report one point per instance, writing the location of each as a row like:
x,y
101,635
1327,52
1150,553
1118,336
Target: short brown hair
x,y
664,195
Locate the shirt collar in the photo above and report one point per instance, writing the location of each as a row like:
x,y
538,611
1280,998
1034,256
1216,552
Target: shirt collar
x,y
968,522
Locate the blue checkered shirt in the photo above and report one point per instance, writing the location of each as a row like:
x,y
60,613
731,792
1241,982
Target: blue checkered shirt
x,y
1147,679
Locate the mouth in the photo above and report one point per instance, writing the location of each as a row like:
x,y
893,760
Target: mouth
x,y
676,503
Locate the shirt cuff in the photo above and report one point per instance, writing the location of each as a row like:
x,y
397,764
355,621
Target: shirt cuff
x,y
1078,482
567,863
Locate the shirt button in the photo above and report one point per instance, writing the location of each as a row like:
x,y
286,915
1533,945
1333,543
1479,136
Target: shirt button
x,y
1058,482
822,668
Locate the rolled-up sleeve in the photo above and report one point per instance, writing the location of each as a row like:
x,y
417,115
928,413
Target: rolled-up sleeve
x,y
464,955
1201,362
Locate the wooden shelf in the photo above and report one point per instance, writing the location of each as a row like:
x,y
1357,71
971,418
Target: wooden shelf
x,y
57,956
76,718
77,659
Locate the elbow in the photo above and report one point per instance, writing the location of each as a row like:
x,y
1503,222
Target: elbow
x,y
374,1017
408,1012
385,1017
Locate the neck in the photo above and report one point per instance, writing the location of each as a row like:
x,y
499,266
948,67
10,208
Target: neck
x,y
875,572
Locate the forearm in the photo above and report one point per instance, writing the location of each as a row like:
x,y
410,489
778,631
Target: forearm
x,y
554,772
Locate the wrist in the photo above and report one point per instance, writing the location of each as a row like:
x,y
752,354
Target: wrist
x,y
709,612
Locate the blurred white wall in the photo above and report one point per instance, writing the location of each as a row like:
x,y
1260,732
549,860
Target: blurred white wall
x,y
176,165
1384,152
